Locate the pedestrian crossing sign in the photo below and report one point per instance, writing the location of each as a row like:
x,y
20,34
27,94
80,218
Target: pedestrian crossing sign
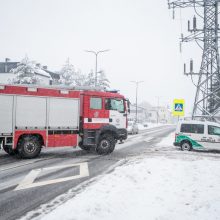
x,y
178,107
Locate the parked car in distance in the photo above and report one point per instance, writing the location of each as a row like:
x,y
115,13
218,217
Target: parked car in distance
x,y
197,135
145,124
132,128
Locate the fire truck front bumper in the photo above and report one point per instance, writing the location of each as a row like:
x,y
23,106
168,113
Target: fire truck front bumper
x,y
122,134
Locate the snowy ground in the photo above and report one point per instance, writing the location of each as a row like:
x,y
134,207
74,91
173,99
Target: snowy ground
x,y
182,186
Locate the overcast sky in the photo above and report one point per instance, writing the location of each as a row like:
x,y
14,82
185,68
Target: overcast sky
x,y
141,35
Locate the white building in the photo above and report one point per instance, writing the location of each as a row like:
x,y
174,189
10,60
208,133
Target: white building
x,y
160,114
142,114
42,73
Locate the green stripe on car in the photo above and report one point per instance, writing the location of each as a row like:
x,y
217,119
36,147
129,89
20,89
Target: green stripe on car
x,y
194,143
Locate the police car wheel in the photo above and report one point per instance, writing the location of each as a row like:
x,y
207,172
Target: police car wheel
x,y
186,146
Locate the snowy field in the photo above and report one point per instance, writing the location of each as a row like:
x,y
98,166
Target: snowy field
x,y
182,186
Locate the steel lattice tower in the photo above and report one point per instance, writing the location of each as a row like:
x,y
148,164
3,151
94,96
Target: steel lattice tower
x,y
207,99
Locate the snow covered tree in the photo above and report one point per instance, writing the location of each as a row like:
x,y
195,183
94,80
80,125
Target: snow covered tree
x,y
25,72
80,79
90,79
102,80
68,75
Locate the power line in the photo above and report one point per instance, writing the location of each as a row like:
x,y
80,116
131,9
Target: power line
x,y
207,98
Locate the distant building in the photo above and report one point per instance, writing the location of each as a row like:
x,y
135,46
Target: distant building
x,y
160,114
142,114
43,73
151,114
5,68
53,75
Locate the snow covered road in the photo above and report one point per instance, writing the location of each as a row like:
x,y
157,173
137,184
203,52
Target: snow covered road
x,y
178,185
27,184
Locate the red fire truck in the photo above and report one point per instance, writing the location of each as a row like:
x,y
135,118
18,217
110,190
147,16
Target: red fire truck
x,y
32,117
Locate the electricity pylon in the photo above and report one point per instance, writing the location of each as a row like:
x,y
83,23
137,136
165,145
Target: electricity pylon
x,y
207,99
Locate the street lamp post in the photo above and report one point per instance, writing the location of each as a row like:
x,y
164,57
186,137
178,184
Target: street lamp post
x,y
96,53
137,83
158,100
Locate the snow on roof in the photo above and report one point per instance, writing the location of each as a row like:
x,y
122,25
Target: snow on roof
x,y
42,73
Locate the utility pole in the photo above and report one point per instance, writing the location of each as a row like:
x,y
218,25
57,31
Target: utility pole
x,y
158,100
137,83
96,53
207,98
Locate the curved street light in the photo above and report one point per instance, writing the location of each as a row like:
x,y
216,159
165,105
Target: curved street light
x,y
137,83
96,53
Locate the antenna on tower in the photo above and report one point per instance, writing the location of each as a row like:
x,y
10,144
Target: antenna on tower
x,y
191,66
194,23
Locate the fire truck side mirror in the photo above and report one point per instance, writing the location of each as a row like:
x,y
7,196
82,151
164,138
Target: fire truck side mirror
x,y
128,105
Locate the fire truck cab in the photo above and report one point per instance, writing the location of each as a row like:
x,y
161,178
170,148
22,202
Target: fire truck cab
x,y
33,117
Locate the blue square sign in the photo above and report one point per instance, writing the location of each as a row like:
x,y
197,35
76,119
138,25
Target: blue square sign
x,y
178,107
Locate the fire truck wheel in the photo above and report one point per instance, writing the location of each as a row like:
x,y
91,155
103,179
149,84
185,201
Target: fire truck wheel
x,y
9,151
84,147
29,147
106,144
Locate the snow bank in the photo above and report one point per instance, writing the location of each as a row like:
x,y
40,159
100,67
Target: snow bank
x,y
150,188
167,141
141,127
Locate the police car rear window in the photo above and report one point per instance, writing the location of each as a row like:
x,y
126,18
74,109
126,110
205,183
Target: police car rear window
x,y
192,128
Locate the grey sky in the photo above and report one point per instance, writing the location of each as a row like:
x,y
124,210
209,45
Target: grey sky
x,y
141,36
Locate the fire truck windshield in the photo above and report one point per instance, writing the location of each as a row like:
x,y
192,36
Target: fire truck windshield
x,y
115,104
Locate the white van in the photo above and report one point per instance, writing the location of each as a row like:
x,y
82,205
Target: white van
x,y
197,135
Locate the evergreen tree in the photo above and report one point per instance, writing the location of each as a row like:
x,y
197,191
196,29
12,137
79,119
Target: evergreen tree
x,y
67,74
80,79
25,72
102,80
90,79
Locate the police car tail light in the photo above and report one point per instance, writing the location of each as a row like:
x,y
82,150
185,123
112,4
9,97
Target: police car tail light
x,y
176,134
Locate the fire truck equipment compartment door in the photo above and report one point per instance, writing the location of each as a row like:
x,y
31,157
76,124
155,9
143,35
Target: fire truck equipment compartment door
x,y
63,113
6,111
31,112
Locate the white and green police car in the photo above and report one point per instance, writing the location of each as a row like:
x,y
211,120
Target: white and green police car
x,y
197,135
